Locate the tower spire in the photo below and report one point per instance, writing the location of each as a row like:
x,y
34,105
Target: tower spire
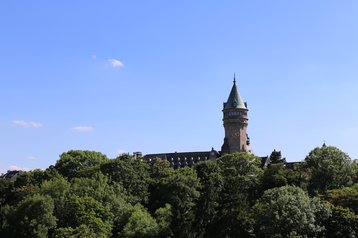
x,y
234,100
235,123
324,144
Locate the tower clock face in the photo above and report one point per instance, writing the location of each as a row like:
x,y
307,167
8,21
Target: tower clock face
x,y
236,134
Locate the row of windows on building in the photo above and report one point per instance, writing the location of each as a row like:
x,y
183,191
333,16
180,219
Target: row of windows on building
x,y
178,162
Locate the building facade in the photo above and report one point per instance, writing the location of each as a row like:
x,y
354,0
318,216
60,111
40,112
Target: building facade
x,y
235,121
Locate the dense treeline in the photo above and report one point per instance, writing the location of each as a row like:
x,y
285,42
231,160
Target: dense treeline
x,y
85,194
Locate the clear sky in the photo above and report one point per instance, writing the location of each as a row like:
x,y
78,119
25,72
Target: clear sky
x,y
151,76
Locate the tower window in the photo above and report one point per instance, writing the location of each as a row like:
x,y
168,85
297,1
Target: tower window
x,y
235,113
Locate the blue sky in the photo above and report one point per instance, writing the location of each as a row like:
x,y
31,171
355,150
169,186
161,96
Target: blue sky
x,y
151,76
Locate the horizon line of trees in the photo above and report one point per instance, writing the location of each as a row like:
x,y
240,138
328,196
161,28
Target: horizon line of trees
x,y
85,194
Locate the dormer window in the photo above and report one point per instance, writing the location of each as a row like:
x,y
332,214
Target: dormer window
x,y
234,103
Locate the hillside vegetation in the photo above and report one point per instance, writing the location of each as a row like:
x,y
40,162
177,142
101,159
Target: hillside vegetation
x,y
85,194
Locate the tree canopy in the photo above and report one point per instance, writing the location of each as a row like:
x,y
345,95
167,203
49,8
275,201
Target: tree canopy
x,y
287,212
86,194
328,167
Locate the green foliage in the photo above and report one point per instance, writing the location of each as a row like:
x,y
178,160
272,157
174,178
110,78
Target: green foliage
x,y
5,217
342,223
242,175
133,174
274,176
33,217
90,212
241,178
98,187
140,224
345,197
58,189
88,195
183,184
5,190
240,164
212,182
180,190
125,157
294,177
288,212
344,205
160,168
82,231
35,177
71,163
328,168
276,157
355,169
18,193
164,217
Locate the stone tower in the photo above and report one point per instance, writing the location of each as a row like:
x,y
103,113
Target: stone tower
x,y
235,123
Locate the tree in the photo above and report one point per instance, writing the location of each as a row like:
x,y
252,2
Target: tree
x,y
164,217
274,176
160,168
133,174
35,177
289,212
90,212
355,168
73,162
5,190
82,231
276,157
180,190
18,193
98,187
140,224
5,228
240,164
328,168
107,192
346,197
58,189
342,223
344,205
33,217
125,157
241,178
212,182
294,176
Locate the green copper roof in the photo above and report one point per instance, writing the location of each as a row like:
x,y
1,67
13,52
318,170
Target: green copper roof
x,y
234,100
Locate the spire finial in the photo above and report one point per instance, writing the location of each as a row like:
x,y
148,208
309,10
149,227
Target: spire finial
x,y
324,144
234,79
